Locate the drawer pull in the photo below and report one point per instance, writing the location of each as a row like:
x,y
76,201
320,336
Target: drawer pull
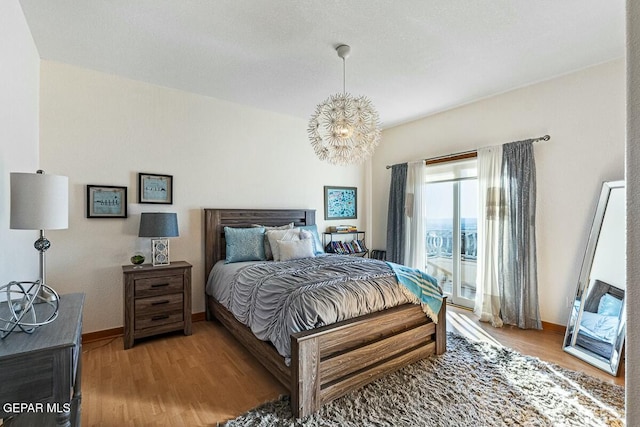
x,y
160,302
159,285
164,316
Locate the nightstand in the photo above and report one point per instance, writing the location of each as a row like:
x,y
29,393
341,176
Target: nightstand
x,y
44,369
156,300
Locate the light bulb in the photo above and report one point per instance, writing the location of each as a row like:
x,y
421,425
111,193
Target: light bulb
x,y
344,132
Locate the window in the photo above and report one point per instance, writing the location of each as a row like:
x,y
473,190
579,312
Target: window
x,y
452,234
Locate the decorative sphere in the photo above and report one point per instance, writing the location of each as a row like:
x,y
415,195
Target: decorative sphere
x,y
137,259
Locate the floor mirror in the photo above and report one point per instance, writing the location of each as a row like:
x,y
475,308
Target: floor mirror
x,y
596,328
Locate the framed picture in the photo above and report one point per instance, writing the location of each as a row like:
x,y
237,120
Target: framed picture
x,y
153,188
106,201
340,202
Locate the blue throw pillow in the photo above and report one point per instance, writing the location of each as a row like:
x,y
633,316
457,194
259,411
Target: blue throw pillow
x,y
609,305
244,244
317,245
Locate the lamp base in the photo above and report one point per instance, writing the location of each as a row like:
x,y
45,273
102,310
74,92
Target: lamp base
x,y
160,252
43,294
46,295
21,308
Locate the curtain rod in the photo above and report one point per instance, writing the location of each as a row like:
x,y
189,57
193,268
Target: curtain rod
x,y
462,153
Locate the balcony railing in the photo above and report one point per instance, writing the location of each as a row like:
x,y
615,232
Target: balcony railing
x,y
440,244
440,260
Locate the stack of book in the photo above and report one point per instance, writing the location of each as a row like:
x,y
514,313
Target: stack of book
x,y
343,229
345,248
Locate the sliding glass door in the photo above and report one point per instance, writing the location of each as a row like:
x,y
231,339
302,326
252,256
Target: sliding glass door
x,y
452,237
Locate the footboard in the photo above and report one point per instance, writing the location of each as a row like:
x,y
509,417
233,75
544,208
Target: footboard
x,y
331,361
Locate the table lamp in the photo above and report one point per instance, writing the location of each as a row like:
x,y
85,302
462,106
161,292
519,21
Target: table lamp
x,y
39,202
159,225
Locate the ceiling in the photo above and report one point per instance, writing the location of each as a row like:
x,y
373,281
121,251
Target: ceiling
x,y
412,58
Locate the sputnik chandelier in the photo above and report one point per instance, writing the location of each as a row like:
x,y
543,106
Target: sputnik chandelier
x,y
344,130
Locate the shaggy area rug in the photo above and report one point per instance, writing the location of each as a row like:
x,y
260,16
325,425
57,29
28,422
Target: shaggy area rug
x,y
472,384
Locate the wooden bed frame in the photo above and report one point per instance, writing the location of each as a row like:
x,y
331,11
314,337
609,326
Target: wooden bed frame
x,y
330,361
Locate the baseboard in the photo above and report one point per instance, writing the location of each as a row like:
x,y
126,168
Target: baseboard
x,y
552,327
118,332
101,335
199,317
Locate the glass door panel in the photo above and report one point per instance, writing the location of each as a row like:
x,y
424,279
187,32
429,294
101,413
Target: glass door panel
x,y
452,238
440,234
468,241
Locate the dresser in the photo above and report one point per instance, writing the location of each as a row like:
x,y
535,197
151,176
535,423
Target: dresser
x,y
156,300
41,372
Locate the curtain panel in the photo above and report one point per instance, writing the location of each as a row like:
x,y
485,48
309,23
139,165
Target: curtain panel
x,y
490,214
415,209
517,258
396,217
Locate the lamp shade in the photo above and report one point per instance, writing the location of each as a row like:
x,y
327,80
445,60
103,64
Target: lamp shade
x,y
158,224
39,201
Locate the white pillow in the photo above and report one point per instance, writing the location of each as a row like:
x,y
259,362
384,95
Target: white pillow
x,y
295,249
275,235
267,246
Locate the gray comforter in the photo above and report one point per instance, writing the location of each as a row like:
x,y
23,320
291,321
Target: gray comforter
x,y
276,299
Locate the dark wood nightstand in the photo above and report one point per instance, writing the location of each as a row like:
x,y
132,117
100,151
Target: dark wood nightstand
x,y
156,300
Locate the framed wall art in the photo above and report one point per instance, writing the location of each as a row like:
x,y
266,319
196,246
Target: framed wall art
x,y
154,188
106,201
340,202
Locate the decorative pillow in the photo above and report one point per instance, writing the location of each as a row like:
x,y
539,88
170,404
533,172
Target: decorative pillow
x,y
275,235
306,234
317,244
295,249
267,246
244,244
609,306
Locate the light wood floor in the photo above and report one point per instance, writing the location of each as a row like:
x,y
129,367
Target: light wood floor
x,y
199,380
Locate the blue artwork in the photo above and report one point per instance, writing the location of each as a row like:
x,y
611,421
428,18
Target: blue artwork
x,y
340,202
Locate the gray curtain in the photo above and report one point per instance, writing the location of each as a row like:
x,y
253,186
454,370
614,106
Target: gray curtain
x,y
396,218
517,263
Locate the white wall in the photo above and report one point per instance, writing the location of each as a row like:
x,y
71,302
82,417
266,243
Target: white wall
x,y
633,214
103,129
584,112
19,83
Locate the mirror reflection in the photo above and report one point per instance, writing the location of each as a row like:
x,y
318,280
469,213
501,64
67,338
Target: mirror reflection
x,y
596,327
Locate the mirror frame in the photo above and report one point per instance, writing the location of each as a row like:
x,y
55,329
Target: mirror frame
x,y
612,364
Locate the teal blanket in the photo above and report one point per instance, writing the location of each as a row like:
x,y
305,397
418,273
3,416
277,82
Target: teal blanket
x,y
424,286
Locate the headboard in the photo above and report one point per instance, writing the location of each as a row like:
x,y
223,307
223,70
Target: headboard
x,y
598,289
216,219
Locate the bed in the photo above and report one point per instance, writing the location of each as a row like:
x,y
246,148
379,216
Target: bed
x,y
329,361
